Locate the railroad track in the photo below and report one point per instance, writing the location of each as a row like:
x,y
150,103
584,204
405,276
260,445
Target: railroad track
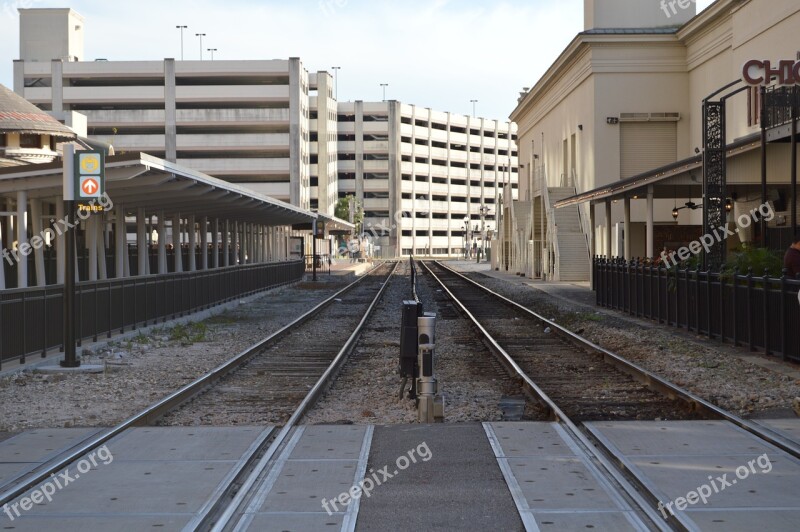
x,y
581,383
571,376
294,366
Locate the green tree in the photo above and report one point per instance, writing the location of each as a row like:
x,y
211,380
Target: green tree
x,y
342,211
342,208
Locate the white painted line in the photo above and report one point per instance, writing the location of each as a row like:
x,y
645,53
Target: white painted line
x,y
350,518
513,486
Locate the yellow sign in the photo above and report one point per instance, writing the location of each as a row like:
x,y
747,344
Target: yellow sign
x,y
90,163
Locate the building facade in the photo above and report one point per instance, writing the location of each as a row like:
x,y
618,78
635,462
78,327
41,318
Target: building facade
x,y
243,121
277,128
422,176
611,136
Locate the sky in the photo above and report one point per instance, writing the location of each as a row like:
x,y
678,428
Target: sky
x,y
432,53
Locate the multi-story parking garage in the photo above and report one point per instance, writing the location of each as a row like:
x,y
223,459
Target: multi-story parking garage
x,y
276,128
421,174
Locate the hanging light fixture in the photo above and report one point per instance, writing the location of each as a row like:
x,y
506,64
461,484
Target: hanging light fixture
x,y
728,205
675,209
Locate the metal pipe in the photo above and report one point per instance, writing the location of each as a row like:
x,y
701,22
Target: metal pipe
x,y
763,223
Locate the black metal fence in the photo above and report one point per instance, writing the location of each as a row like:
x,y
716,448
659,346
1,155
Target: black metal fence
x,y
761,313
31,319
50,262
323,263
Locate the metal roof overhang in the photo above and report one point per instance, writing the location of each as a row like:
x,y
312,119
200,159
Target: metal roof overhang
x,y
333,225
143,181
669,175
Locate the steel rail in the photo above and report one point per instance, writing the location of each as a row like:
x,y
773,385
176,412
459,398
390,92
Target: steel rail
x,y
245,490
172,401
642,494
651,379
588,447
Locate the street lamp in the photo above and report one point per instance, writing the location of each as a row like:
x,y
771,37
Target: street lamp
x,y
336,81
201,35
212,50
384,85
484,210
466,237
473,107
181,28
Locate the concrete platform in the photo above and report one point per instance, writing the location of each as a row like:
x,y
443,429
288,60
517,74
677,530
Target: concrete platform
x,y
553,486
496,476
318,464
459,487
21,454
789,428
154,477
676,458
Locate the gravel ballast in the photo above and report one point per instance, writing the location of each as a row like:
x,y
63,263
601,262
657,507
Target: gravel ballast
x,y
368,387
149,367
726,380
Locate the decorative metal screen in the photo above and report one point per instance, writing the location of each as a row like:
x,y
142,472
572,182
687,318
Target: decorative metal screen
x,y
714,179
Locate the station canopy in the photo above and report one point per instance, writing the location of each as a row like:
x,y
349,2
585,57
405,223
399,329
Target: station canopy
x,y
138,180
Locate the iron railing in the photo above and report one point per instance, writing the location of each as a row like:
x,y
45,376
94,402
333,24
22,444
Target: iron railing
x,y
761,313
323,263
779,103
31,319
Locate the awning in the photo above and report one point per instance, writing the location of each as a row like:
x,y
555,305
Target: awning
x,y
333,225
639,183
137,180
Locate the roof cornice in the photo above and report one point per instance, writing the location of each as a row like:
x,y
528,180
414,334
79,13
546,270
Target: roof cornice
x,y
579,46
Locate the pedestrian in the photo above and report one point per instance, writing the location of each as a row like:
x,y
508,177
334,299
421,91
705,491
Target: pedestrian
x,y
792,259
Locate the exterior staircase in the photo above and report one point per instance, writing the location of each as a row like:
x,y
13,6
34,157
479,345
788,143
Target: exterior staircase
x,y
566,233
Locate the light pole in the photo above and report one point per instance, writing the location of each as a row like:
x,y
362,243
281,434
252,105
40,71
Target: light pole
x,y
181,28
384,85
473,107
466,237
484,210
336,81
212,50
201,35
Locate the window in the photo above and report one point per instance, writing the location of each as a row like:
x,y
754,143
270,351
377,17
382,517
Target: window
x,y
29,141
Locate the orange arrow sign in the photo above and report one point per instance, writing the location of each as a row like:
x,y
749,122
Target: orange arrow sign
x,y
89,187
